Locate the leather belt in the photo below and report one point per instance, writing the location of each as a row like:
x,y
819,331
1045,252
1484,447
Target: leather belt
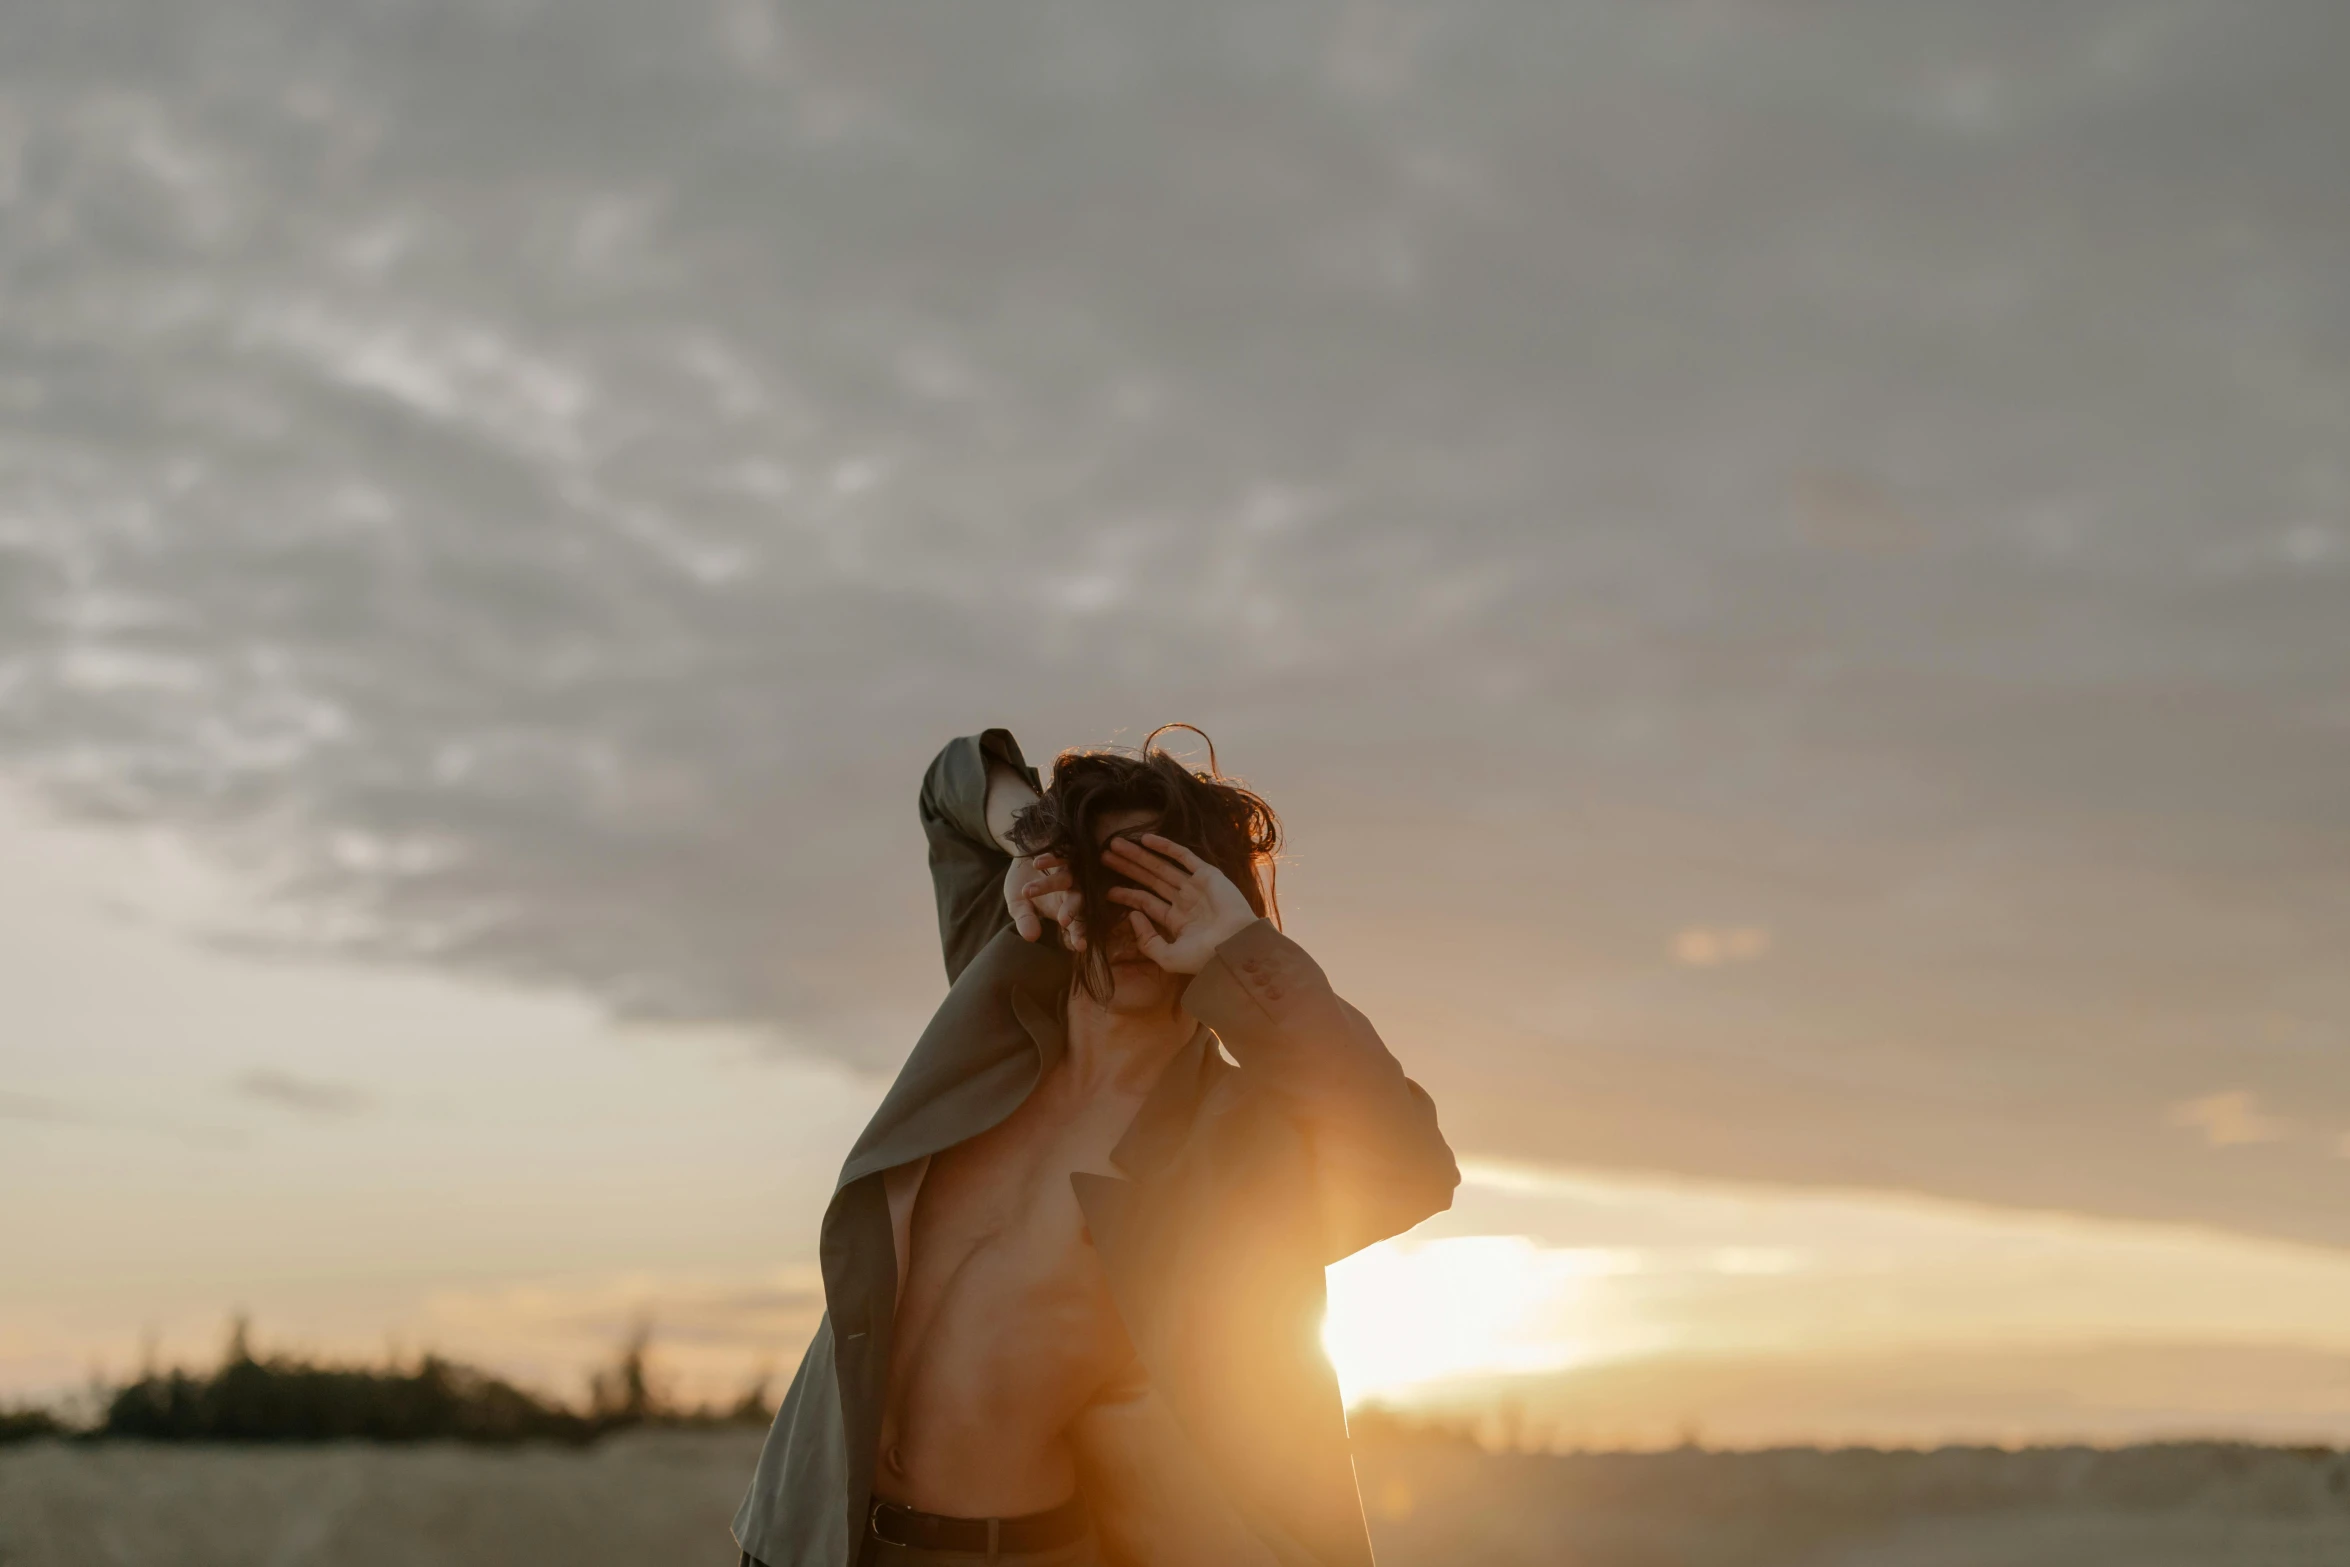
x,y
934,1532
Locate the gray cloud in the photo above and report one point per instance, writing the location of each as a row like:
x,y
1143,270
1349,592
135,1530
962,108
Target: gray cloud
x,y
303,1095
535,484
40,1110
34,1107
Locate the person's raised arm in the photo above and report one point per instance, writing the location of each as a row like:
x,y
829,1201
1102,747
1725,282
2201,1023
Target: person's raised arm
x,y
974,787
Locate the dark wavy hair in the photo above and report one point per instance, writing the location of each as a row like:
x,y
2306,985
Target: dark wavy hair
x,y
1229,826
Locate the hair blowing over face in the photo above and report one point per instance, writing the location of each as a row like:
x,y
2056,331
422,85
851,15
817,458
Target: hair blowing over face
x,y
1228,826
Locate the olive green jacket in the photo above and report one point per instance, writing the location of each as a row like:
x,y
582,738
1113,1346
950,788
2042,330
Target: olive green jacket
x,y
1241,1183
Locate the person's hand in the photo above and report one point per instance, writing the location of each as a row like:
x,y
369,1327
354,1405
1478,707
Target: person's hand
x,y
1039,887
1189,909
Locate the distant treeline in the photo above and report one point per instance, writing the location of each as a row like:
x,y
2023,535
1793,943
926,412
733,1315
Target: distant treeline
x,y
254,1397
1790,1484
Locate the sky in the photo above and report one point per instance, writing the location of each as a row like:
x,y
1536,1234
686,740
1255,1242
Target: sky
x,y
1787,565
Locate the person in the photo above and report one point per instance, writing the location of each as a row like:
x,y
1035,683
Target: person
x,y
1073,1268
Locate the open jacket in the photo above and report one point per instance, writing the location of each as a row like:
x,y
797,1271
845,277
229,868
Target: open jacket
x,y
1240,1184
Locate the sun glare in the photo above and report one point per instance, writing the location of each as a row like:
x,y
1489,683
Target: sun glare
x,y
1405,1314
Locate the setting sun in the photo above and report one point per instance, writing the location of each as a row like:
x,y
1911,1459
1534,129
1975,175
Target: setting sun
x,y
1403,1313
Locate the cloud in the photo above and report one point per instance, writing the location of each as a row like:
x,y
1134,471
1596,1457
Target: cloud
x,y
303,1095
39,1110
1707,946
2230,1119
1849,511
547,548
33,1107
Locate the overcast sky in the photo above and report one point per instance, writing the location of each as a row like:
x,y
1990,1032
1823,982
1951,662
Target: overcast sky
x,y
1788,564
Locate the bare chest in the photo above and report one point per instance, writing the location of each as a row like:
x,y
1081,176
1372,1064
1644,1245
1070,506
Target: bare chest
x,y
1006,1328
1002,1205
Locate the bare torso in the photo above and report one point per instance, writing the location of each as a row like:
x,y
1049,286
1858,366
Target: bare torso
x,y
1006,1329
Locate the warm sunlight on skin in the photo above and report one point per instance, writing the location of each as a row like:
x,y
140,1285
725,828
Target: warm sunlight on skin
x,y
1407,1313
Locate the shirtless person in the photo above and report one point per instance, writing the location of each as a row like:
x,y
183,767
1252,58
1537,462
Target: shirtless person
x,y
1073,1268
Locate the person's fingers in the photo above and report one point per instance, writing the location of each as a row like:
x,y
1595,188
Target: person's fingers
x,y
1164,877
1143,851
1136,898
1144,866
1175,851
1146,936
1024,921
1073,935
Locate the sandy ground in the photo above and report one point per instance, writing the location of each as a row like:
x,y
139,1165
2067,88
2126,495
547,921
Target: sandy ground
x,y
658,1500
663,1500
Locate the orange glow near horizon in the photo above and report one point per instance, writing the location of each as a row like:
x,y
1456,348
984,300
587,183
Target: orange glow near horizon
x,y
366,1159
1406,1315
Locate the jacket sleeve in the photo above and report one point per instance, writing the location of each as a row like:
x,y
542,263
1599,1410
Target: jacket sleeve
x,y
1381,1165
966,866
